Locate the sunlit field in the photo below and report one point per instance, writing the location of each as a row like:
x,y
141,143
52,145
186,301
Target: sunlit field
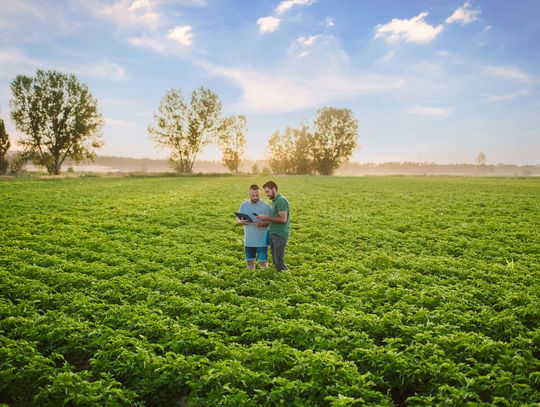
x,y
401,291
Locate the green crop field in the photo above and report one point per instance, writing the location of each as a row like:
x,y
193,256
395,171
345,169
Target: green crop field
x,y
401,291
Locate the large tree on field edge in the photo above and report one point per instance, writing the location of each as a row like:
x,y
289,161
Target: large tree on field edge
x,y
185,128
59,117
334,139
4,147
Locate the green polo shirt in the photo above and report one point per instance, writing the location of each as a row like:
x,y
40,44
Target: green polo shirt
x,y
280,204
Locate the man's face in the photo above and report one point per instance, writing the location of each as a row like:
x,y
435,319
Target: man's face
x,y
270,193
254,195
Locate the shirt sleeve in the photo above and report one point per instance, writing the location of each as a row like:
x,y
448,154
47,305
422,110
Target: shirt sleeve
x,y
282,206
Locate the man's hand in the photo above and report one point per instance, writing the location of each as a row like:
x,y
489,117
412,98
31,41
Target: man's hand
x,y
241,221
262,217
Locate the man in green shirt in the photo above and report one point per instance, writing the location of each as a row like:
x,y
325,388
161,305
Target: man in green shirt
x,y
279,219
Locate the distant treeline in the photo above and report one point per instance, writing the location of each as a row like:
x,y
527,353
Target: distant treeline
x,y
425,168
148,165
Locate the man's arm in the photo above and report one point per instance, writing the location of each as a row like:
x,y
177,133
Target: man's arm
x,y
282,218
241,221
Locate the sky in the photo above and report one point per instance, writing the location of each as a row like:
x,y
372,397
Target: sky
x,y
429,81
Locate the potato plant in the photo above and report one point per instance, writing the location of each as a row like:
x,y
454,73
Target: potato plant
x,y
401,291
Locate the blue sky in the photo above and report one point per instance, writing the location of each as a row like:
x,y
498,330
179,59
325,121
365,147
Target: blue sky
x,y
435,80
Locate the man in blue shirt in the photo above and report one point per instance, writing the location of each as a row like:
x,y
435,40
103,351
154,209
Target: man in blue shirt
x,y
256,232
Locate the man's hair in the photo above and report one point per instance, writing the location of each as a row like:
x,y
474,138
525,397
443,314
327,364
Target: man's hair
x,y
270,184
254,187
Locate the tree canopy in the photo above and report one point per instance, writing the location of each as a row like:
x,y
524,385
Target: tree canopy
x,y
184,128
319,150
4,147
334,139
232,141
59,117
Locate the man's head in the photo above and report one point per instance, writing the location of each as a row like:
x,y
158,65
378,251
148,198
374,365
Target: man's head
x,y
254,193
270,189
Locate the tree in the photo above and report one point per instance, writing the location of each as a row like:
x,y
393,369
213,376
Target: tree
x,y
279,152
334,140
481,159
301,155
186,129
59,117
4,147
232,141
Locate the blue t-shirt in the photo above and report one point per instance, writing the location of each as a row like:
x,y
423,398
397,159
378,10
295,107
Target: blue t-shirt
x,y
255,236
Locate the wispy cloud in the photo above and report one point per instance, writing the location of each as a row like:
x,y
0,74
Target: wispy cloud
x,y
389,56
510,73
512,76
57,18
268,24
435,111
304,43
105,70
288,4
147,42
181,34
271,23
307,41
126,13
504,97
283,91
329,22
464,15
13,56
14,61
414,30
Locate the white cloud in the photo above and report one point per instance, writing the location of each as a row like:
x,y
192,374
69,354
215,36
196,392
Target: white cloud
x,y
147,42
268,24
511,73
413,30
288,4
329,22
504,97
512,76
389,56
442,54
140,5
15,62
13,56
307,41
429,111
464,15
126,13
304,43
105,70
286,91
182,35
18,16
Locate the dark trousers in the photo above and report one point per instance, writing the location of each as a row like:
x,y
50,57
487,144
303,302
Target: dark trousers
x,y
277,248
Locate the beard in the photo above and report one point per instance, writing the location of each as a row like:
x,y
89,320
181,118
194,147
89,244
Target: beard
x,y
254,201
